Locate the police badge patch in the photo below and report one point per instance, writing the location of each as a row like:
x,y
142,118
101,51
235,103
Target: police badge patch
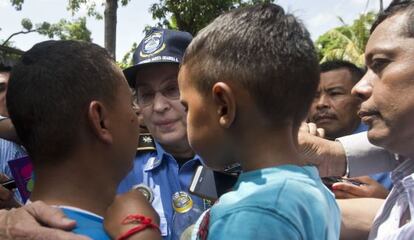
x,y
153,44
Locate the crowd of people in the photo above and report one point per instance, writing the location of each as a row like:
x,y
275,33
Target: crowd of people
x,y
325,150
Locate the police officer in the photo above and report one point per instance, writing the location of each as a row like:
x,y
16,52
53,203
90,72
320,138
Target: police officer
x,y
169,167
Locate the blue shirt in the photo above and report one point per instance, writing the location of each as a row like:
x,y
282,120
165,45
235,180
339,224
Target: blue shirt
x,y
87,223
160,172
284,202
383,178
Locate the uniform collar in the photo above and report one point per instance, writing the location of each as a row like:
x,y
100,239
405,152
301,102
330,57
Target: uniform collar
x,y
162,155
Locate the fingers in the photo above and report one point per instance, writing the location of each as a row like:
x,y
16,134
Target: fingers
x,y
5,194
348,190
50,216
320,132
3,177
312,129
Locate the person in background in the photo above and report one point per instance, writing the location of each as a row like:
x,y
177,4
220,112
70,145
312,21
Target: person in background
x,y
170,167
335,110
10,149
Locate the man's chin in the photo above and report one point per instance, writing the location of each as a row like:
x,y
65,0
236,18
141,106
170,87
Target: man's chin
x,y
378,137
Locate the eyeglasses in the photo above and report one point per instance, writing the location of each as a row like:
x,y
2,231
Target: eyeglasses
x,y
145,95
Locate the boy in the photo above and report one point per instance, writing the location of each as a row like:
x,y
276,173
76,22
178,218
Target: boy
x,y
247,81
72,110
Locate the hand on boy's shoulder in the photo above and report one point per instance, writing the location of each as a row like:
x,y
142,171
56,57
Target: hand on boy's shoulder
x,y
130,203
36,221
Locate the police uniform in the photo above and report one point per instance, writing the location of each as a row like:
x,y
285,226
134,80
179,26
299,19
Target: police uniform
x,y
159,171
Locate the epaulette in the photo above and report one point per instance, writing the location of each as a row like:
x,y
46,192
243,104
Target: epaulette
x,y
146,143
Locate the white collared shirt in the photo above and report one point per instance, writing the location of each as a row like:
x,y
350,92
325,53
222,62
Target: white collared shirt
x,y
400,200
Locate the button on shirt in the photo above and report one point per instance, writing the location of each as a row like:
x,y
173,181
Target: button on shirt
x,y
399,202
160,172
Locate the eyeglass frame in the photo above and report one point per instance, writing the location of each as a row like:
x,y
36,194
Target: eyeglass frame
x,y
172,86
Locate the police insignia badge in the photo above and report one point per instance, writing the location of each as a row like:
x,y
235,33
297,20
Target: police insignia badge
x,y
153,44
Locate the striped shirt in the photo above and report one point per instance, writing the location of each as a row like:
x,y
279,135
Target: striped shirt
x,y
398,204
9,151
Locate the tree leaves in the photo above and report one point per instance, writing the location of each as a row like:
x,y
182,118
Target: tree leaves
x,y
346,42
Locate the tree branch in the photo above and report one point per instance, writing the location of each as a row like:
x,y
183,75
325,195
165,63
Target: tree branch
x,y
17,33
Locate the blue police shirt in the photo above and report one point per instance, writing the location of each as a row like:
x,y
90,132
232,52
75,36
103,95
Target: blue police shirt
x,y
160,172
87,223
385,177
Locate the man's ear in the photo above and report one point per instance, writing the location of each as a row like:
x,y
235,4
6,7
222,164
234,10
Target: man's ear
x,y
99,122
225,103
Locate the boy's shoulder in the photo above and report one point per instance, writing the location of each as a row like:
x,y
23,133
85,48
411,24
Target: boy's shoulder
x,y
87,223
294,195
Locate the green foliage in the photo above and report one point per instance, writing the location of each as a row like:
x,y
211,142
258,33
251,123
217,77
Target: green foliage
x,y
66,30
75,5
193,15
17,4
27,24
127,59
346,42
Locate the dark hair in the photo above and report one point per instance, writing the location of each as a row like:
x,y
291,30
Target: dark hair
x,y
267,52
50,90
6,65
398,6
356,72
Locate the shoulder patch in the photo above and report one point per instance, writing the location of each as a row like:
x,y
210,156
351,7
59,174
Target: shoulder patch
x,y
146,142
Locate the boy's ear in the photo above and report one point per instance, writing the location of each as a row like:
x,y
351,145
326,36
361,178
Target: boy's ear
x,y
225,103
99,122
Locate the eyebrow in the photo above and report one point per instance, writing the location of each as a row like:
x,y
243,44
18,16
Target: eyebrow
x,y
388,51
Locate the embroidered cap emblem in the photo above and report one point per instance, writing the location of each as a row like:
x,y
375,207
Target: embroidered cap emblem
x,y
153,44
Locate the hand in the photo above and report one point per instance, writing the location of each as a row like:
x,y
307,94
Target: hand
x,y
369,189
328,156
36,221
7,199
132,202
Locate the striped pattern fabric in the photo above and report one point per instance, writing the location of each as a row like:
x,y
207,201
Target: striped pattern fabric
x,y
391,221
9,151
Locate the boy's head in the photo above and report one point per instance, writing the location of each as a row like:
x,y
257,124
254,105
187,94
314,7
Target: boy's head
x,y
257,53
64,95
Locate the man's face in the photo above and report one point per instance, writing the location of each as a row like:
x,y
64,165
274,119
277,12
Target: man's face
x,y
158,98
388,87
334,108
4,80
126,127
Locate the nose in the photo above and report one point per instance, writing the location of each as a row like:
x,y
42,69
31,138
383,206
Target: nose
x,y
363,89
323,101
161,103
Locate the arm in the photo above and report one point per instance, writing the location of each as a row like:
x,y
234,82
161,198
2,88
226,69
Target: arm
x,y
132,202
36,221
333,157
364,158
357,216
